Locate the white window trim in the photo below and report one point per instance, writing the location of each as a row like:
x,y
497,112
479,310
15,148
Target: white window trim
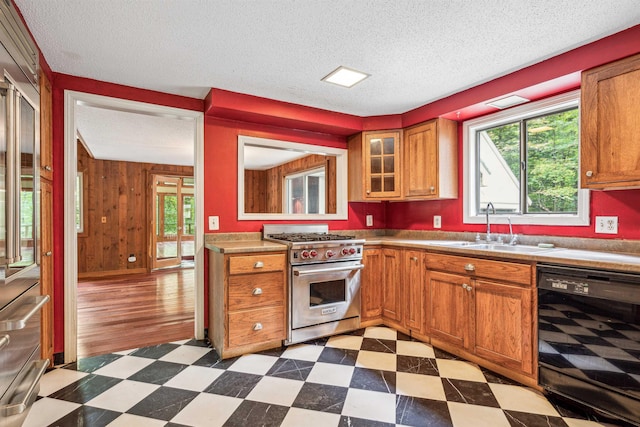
x,y
566,100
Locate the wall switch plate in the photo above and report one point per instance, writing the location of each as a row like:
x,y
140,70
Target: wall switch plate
x,y
607,224
369,220
214,223
437,221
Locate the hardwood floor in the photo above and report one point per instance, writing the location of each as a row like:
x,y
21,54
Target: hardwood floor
x,y
121,313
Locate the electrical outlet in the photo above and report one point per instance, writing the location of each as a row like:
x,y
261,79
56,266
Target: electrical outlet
x,y
214,223
607,224
369,220
437,221
103,219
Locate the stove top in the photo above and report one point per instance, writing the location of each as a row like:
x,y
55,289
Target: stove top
x,y
308,237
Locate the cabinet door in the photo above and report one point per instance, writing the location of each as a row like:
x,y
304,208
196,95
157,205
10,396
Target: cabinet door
x,y
46,267
414,290
393,286
448,308
371,285
420,164
610,125
382,165
46,136
503,324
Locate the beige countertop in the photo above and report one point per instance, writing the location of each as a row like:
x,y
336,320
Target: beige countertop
x,y
574,257
243,246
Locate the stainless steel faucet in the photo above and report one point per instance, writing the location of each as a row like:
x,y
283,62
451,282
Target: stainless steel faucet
x,y
513,238
489,205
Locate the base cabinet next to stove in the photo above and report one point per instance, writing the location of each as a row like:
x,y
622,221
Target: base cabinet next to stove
x,y
247,301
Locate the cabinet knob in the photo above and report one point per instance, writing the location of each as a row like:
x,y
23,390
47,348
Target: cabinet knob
x,y
414,258
368,191
432,189
48,253
589,174
258,264
257,291
47,168
257,326
470,267
466,287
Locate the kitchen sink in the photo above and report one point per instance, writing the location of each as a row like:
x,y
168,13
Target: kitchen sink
x,y
452,243
508,248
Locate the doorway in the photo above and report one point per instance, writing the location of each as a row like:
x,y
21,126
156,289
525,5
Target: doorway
x,y
73,100
173,226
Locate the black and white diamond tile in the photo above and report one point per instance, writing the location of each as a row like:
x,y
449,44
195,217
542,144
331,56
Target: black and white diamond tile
x,y
371,377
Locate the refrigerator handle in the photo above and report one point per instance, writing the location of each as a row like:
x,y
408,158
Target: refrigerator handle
x,y
11,201
17,175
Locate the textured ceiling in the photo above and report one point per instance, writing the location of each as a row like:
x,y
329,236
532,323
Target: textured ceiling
x,y
416,51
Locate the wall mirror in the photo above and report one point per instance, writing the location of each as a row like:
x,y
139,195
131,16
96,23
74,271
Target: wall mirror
x,y
288,180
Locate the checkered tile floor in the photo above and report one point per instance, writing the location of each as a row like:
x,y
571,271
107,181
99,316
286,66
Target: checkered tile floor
x,y
371,377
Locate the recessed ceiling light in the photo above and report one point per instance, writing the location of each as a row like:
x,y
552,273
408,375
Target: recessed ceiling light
x,y
508,101
343,76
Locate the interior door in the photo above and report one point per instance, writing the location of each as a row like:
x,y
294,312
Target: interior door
x,y
167,225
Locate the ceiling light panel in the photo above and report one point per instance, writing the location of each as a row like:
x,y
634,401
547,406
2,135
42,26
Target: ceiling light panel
x,y
346,77
508,101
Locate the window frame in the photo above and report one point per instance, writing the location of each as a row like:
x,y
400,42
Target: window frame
x,y
305,174
527,111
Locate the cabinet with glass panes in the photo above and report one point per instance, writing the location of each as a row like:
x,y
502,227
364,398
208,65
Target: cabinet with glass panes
x,y
374,166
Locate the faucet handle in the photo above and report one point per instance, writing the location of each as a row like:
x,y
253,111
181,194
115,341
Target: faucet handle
x,y
514,240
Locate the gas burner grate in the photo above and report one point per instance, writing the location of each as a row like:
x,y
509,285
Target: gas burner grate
x,y
309,237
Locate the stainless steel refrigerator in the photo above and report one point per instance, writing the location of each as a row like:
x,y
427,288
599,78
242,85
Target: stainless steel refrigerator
x,y
20,299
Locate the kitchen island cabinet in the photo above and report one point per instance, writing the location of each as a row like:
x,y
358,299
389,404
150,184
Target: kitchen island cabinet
x,y
483,310
610,125
247,301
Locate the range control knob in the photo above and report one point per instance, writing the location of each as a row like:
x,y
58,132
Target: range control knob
x,y
352,251
304,254
313,253
345,251
330,254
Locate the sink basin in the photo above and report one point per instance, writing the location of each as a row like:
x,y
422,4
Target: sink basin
x,y
453,243
508,248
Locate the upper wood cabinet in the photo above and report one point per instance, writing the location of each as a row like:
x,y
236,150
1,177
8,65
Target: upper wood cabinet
x,y
374,166
610,125
430,160
46,136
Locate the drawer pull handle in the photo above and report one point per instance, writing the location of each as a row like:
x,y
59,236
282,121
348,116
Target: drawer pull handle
x,y
256,291
258,264
470,267
35,303
466,287
36,371
257,326
414,258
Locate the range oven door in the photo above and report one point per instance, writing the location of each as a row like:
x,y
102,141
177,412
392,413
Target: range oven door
x,y
322,293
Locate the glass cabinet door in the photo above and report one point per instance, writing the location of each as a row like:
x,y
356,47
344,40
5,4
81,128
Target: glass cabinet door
x,y
382,151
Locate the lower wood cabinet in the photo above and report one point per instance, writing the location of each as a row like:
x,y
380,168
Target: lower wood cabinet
x,y
247,301
393,299
415,290
483,308
371,285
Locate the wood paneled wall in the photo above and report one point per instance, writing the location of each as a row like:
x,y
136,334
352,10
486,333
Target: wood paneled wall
x,y
263,189
121,193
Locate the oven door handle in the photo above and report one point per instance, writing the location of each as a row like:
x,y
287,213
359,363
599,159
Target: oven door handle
x,y
328,270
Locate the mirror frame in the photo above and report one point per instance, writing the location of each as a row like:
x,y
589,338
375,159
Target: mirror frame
x,y
341,179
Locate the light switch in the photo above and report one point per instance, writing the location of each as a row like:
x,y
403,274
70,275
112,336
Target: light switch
x,y
369,220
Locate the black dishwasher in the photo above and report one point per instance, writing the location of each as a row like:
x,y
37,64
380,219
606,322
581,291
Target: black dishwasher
x,y
589,338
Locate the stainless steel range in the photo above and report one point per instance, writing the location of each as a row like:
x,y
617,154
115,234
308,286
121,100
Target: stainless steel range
x,y
324,280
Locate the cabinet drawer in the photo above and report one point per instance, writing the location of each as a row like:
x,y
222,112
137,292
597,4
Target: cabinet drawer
x,y
249,291
244,327
476,267
256,263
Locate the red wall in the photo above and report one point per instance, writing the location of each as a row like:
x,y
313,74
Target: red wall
x,y
221,174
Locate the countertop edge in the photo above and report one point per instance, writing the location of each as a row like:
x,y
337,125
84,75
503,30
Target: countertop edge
x,y
245,246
